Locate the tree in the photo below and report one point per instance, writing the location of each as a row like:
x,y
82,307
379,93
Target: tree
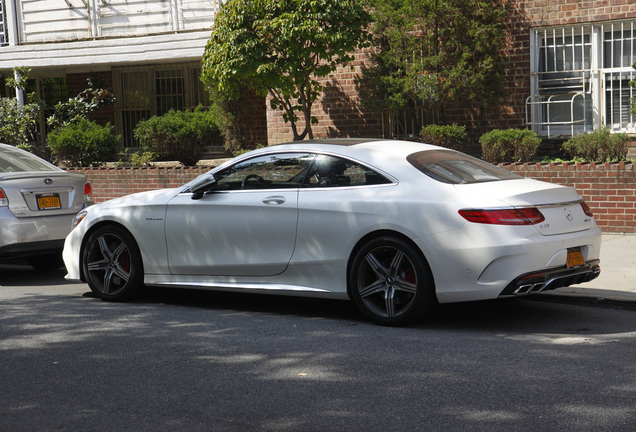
x,y
19,123
436,52
281,47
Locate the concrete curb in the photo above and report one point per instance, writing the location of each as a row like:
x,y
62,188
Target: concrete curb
x,y
591,297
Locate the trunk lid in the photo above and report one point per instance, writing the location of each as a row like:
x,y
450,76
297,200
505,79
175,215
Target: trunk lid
x,y
51,193
560,205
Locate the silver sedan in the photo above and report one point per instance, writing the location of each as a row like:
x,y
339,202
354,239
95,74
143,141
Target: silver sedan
x,y
394,226
38,202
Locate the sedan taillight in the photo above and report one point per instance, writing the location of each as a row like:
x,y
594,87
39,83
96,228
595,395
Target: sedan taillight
x,y
521,216
88,192
586,209
4,201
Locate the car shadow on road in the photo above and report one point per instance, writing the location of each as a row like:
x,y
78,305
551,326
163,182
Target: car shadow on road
x,y
495,315
19,273
507,315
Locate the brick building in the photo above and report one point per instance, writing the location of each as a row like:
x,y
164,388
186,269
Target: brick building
x,y
568,71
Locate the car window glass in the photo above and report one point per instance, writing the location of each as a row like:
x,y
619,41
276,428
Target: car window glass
x,y
275,171
457,168
15,160
331,171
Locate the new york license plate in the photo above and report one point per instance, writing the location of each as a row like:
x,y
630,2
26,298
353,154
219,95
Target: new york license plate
x,y
575,258
49,201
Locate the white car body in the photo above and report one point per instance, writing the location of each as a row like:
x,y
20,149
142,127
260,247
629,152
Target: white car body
x,y
301,241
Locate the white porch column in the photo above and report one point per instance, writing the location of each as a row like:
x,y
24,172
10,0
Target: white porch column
x,y
19,93
13,31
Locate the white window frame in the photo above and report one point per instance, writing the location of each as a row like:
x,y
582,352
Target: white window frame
x,y
574,80
4,31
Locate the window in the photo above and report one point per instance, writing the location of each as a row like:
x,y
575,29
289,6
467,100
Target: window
x,y
53,91
457,168
408,123
278,171
579,79
291,170
331,171
618,54
4,34
16,160
145,91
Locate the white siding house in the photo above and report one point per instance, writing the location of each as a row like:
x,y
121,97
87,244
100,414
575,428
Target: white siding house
x,y
148,50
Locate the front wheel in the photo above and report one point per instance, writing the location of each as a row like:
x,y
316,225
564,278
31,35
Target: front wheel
x,y
112,264
391,283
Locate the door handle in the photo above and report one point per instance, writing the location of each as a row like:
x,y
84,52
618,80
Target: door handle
x,y
274,200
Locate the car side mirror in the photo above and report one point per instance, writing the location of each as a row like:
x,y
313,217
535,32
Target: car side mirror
x,y
202,185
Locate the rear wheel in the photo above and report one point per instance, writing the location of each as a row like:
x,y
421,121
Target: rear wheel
x,y
391,283
112,264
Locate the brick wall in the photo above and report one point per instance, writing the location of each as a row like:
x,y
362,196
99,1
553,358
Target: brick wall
x,y
563,12
340,114
109,183
255,119
608,188
338,110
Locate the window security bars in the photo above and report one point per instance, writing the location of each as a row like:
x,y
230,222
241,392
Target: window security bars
x,y
407,123
561,102
619,54
145,91
579,79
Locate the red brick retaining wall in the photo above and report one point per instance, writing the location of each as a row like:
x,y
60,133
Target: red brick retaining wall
x,y
608,188
109,183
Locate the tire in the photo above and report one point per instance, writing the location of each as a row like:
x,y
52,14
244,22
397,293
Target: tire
x,y
46,262
391,283
112,264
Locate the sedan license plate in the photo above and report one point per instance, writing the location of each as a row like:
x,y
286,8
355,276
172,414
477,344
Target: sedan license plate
x,y
49,201
575,258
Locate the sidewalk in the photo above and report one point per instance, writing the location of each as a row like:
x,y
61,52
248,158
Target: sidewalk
x,y
617,281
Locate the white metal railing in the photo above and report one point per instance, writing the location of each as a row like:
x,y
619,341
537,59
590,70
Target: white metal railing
x,y
553,108
547,104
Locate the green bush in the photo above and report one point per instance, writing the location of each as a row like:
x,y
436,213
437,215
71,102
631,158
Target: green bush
x,y
182,135
509,145
598,146
83,143
136,159
449,136
18,124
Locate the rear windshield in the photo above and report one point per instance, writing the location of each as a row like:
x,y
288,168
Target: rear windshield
x,y
16,160
448,166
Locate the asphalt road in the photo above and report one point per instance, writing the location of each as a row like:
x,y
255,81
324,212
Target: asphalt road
x,y
202,361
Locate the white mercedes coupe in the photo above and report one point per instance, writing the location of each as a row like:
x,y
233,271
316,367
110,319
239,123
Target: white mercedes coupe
x,y
394,226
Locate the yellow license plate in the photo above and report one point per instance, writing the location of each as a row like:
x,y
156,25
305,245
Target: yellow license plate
x,y
575,258
49,202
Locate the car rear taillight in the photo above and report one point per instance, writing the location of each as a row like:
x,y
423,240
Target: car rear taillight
x,y
4,201
521,216
586,209
88,192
